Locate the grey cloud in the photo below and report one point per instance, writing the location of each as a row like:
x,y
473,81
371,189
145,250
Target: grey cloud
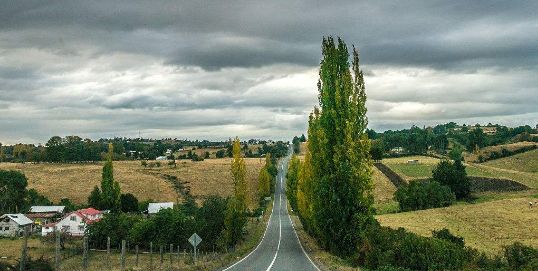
x,y
218,68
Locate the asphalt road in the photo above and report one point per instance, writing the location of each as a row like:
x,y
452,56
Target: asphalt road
x,y
279,249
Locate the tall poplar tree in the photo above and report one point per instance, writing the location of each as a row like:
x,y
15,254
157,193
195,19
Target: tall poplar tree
x,y
339,149
235,218
110,189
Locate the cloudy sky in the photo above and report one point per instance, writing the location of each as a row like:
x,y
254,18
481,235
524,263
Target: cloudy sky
x,y
216,69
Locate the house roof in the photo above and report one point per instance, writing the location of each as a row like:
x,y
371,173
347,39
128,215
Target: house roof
x,y
47,209
40,215
89,211
155,207
20,219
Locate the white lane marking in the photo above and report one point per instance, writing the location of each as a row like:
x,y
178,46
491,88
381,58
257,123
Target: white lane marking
x,y
279,229
299,241
266,228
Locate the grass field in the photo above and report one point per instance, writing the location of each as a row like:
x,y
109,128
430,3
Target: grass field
x,y
473,157
525,162
485,226
75,181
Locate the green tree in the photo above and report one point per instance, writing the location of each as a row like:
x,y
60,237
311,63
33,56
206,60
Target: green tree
x,y
305,193
129,203
110,189
292,179
453,175
477,139
95,199
235,218
34,198
264,183
377,150
12,191
339,146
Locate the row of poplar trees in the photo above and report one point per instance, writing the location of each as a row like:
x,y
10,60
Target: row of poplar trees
x,y
332,188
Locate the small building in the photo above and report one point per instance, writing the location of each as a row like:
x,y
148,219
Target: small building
x,y
12,225
74,223
42,215
413,161
155,207
161,158
168,152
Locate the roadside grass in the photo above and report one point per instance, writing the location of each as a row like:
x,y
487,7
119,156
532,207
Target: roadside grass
x,y
485,226
323,259
525,162
75,181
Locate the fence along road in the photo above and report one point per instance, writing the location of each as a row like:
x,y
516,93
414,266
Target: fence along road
x,y
279,248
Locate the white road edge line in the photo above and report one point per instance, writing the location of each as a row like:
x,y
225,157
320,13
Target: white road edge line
x,y
299,241
279,228
261,241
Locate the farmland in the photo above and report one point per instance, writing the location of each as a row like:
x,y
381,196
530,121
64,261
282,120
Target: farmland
x,y
75,181
524,162
494,219
485,226
486,152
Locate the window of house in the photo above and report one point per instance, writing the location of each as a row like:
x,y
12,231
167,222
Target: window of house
x,y
6,228
73,218
81,228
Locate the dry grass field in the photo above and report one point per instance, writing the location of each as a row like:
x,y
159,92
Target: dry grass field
x,y
75,181
486,226
383,188
525,162
473,157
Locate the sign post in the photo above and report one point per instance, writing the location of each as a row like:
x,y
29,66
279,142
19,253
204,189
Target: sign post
x,y
195,241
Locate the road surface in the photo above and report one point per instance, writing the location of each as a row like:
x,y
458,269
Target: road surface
x,y
279,249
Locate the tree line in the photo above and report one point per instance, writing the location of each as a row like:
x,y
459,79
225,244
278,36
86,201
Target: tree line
x,y
416,140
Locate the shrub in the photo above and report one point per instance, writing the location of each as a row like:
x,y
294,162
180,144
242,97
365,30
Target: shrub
x,y
453,175
129,203
388,247
445,234
521,257
420,195
115,226
144,163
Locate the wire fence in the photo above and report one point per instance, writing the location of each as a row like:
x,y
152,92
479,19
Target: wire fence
x,y
80,256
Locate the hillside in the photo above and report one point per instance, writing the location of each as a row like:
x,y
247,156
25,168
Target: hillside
x,y
486,226
525,162
75,181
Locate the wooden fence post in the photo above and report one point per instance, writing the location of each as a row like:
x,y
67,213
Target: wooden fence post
x,y
122,255
171,253
177,258
108,252
57,251
24,251
85,254
161,254
151,256
136,248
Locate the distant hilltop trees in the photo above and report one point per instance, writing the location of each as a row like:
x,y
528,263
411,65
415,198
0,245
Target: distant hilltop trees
x,y
73,149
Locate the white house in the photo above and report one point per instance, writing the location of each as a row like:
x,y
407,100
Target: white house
x,y
13,224
74,223
155,207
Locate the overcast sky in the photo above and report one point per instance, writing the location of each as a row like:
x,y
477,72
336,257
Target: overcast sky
x,y
217,69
